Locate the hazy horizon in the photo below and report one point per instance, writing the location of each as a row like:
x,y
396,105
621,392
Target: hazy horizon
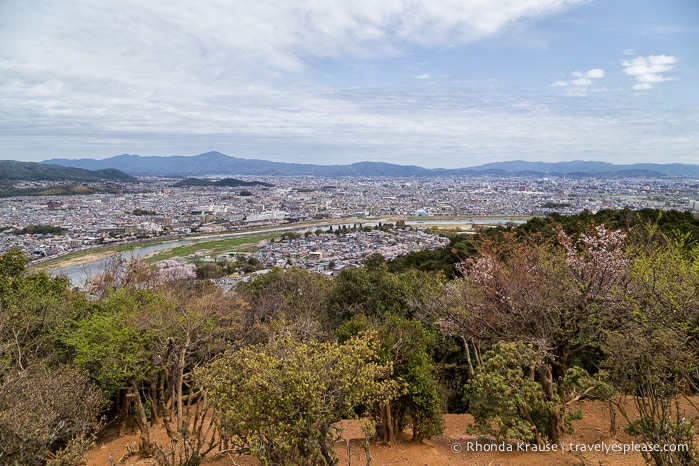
x,y
362,161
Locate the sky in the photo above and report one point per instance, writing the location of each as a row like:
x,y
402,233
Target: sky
x,y
433,83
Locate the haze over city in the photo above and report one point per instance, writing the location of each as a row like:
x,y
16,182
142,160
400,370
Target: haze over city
x,y
434,84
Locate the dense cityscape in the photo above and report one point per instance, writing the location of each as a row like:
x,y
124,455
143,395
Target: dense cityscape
x,y
153,207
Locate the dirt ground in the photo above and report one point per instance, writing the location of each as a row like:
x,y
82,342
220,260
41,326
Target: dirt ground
x,y
78,260
450,448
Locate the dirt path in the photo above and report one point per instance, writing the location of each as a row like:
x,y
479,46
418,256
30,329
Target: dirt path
x,y
454,447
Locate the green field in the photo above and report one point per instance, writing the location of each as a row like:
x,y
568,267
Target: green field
x,y
56,262
214,247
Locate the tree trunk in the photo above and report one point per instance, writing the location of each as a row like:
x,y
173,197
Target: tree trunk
x,y
468,356
180,382
556,421
477,353
324,450
122,410
160,397
389,434
152,396
142,421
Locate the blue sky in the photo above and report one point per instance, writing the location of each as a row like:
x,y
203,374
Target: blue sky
x,y
448,83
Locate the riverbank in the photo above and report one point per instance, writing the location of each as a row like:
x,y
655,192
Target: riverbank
x,y
97,253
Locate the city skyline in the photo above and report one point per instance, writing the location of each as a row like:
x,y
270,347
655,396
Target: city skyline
x,y
449,85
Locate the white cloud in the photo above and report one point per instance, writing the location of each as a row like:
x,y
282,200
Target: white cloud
x,y
583,78
162,77
595,73
344,126
647,70
92,56
214,36
426,76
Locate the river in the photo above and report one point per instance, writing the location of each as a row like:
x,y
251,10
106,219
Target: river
x,y
78,274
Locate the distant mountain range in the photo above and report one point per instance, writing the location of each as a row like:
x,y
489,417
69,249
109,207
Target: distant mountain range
x,y
11,170
71,179
215,163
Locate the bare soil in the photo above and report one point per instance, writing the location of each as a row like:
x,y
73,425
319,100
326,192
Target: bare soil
x,y
450,448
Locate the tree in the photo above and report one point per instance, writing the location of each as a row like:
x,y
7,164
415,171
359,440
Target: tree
x,y
36,310
47,414
654,355
287,300
47,409
141,212
405,345
508,402
556,298
373,290
207,270
279,402
199,325
117,353
12,265
140,345
505,400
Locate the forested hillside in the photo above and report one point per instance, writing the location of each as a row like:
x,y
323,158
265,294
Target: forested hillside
x,y
512,325
30,171
72,180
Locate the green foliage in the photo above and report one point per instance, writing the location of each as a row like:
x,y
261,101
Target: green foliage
x,y
505,400
141,212
558,297
281,400
405,345
667,221
292,301
545,298
35,312
372,298
654,354
464,246
227,182
110,345
373,290
30,171
441,260
46,408
12,264
41,230
207,270
57,190
420,406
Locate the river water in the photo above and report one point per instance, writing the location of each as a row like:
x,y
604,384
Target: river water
x,y
78,274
